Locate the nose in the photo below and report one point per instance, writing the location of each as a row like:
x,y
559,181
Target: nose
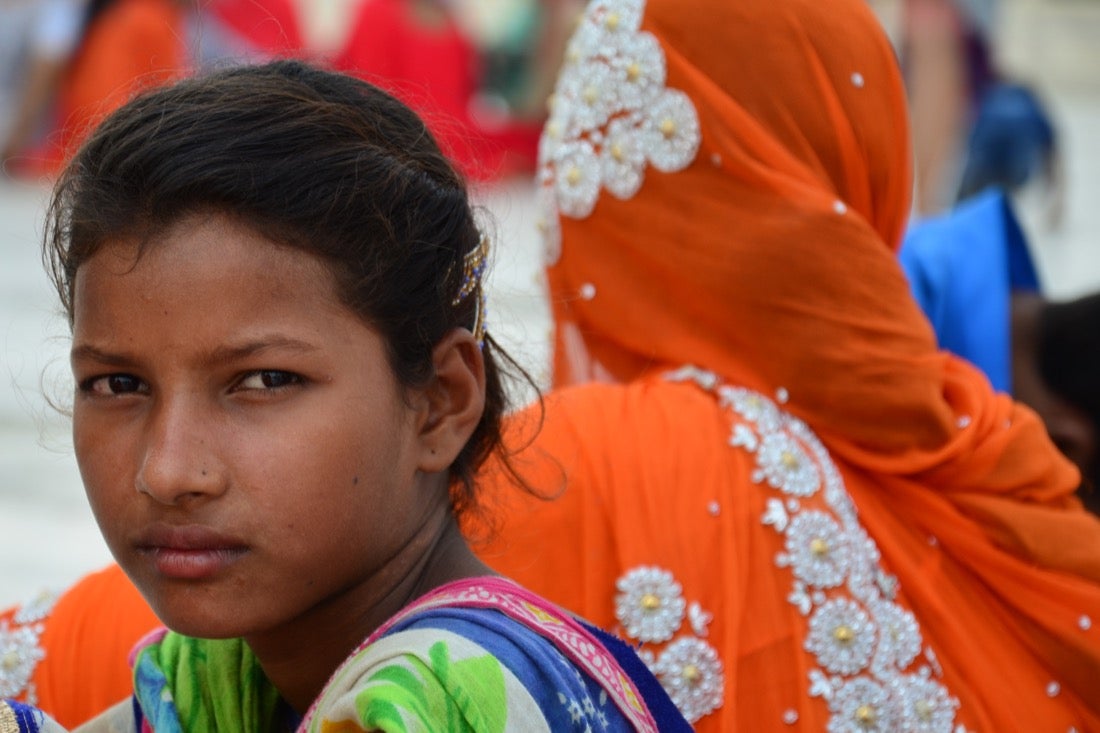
x,y
181,462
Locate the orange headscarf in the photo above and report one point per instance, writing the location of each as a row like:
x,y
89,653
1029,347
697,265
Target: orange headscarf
x,y
747,223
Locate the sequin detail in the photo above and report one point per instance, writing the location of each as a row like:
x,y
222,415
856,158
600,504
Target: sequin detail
x,y
20,652
691,673
611,116
649,604
36,609
866,647
21,649
651,608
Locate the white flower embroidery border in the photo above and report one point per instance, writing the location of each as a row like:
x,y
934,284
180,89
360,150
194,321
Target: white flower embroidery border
x,y
651,609
610,116
21,648
864,643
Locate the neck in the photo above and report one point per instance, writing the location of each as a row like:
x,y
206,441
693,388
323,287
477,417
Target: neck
x,y
299,657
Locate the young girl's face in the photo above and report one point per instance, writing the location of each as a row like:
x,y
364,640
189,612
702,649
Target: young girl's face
x,y
245,446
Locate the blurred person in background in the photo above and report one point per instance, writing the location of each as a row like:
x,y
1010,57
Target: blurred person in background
x,y
125,45
37,38
418,50
104,51
973,272
947,54
246,31
808,515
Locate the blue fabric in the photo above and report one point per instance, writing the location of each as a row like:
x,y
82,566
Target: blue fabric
x,y
569,698
664,711
29,719
963,268
1011,141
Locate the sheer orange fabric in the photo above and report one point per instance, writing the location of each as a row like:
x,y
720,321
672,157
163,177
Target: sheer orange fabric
x,y
768,260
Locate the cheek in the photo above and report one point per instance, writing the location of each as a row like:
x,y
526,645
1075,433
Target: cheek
x,y
101,456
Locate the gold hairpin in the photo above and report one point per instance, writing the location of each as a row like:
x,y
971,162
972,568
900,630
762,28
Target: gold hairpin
x,y
473,268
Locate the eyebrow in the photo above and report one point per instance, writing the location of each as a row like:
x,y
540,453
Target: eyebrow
x,y
219,356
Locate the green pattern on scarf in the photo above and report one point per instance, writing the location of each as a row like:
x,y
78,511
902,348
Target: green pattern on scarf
x,y
467,695
217,685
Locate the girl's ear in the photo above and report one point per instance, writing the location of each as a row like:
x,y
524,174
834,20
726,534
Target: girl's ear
x,y
450,406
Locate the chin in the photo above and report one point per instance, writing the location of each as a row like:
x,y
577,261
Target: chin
x,y
193,612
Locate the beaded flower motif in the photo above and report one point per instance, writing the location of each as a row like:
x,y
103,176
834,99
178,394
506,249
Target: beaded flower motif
x,y
611,115
20,647
19,654
649,604
862,641
652,610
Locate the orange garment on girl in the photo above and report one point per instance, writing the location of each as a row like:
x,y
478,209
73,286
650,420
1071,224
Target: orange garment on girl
x,y
131,45
826,523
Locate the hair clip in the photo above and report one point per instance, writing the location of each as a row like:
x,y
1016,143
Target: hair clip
x,y
473,267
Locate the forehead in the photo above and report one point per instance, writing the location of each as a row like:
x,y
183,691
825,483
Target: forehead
x,y
203,266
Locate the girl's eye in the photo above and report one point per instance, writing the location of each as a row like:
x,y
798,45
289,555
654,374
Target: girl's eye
x,y
114,384
268,379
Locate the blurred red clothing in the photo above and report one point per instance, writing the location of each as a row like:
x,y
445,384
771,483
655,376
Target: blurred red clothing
x,y
435,69
271,26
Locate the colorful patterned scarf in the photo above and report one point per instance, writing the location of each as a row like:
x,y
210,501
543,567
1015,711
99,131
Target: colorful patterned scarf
x,y
476,655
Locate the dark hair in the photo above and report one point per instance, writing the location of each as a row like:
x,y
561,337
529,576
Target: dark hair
x,y
311,159
1069,351
1069,362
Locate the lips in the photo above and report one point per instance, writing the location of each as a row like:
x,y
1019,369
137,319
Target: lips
x,y
189,552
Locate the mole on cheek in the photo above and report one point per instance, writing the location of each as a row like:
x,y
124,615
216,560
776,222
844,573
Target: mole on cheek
x,y
355,481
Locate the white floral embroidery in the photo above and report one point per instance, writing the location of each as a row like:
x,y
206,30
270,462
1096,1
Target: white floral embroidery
x,y
862,706
899,642
547,223
651,609
750,405
649,604
19,653
611,113
925,705
622,160
800,599
784,465
776,515
36,609
743,437
864,643
699,619
818,554
578,179
671,132
691,673
842,636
